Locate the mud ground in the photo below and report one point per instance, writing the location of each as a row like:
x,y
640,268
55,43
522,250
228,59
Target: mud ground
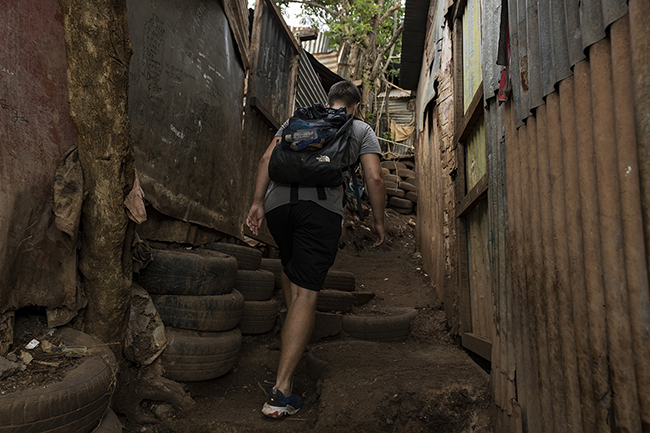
x,y
425,384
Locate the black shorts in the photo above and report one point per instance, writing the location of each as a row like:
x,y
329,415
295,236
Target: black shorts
x,y
308,237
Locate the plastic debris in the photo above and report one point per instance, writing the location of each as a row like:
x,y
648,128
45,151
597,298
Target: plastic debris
x,y
32,344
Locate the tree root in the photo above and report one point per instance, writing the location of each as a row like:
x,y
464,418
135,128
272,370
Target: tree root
x,y
146,383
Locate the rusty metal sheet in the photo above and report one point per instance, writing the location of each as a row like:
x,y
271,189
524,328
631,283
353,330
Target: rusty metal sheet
x,y
547,39
490,31
275,63
37,261
185,103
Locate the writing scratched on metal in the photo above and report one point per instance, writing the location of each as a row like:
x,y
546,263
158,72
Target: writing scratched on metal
x,y
15,114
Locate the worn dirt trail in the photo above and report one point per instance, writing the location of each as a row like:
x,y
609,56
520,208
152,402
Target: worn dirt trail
x,y
425,384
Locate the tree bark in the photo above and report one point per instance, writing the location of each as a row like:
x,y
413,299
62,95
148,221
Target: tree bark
x,y
98,52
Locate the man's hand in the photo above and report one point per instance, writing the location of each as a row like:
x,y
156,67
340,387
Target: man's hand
x,y
380,234
255,218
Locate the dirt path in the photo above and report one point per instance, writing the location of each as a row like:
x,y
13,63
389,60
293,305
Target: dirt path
x,y
421,385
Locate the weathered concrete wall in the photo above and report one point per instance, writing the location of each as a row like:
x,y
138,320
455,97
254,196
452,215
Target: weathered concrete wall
x,y
37,261
98,53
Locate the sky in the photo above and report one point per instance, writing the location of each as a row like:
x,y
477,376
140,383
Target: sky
x,y
291,14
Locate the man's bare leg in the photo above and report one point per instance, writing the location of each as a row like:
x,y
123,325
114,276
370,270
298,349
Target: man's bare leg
x,y
295,333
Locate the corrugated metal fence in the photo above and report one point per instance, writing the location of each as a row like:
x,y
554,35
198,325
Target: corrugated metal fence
x,y
573,317
309,89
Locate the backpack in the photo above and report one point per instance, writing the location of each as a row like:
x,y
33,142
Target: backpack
x,y
312,149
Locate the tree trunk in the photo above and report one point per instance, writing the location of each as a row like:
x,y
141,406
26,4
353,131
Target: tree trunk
x,y
98,53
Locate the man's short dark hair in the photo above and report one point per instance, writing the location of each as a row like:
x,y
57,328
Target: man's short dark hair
x,y
345,92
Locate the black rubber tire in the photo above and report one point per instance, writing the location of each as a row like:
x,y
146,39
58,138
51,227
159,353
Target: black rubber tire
x,y
393,165
275,266
335,300
110,424
195,356
411,195
339,280
75,404
403,211
395,192
248,258
381,328
407,187
404,173
258,317
188,272
255,285
315,365
391,178
200,313
400,203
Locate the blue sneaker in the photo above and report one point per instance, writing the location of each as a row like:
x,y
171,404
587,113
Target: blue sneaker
x,y
278,405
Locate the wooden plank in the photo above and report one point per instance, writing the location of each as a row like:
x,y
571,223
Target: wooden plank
x,y
476,153
265,112
477,344
459,247
477,193
467,119
478,238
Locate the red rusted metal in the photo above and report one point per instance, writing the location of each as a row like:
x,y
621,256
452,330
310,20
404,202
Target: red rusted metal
x,y
37,261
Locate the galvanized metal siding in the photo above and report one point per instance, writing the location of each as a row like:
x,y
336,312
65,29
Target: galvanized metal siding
x,y
319,45
490,31
547,39
309,89
576,320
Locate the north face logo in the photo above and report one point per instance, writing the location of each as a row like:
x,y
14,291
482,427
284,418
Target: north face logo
x,y
323,158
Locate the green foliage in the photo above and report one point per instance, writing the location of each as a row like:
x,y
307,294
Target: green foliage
x,y
351,20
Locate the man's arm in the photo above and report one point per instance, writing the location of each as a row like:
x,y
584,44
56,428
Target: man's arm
x,y
256,214
376,193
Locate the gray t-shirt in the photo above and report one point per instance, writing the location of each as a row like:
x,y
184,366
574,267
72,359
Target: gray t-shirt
x,y
363,140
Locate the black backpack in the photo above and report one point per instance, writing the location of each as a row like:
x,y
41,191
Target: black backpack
x,y
312,150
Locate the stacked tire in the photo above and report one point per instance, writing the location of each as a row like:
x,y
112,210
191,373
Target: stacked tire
x,y
78,402
401,190
193,291
256,285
